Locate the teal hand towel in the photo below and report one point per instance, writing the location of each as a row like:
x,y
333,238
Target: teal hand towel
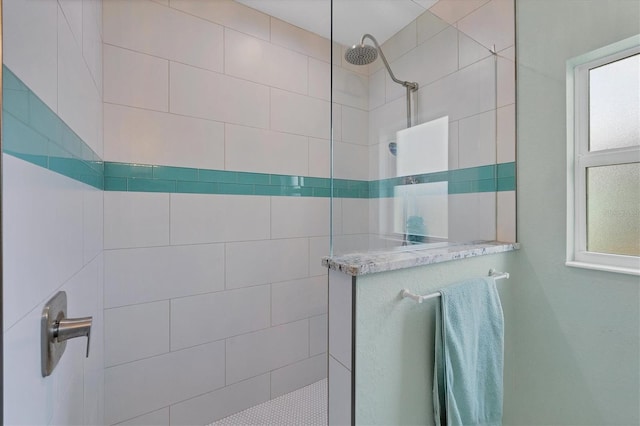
x,y
469,355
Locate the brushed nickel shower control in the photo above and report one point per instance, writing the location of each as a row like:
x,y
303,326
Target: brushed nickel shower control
x,y
56,329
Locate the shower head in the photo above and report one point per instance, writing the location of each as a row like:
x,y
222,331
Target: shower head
x,y
361,54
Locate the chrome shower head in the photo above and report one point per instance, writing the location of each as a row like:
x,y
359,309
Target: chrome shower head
x,y
361,54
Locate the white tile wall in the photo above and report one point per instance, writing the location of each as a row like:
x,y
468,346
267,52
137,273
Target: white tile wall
x,y
298,299
293,217
155,418
492,24
355,216
262,62
255,353
319,157
142,136
30,48
355,125
477,140
150,274
472,216
136,332
299,114
506,216
299,40
135,79
209,317
221,403
268,261
135,219
228,13
452,11
263,151
143,386
79,99
151,28
318,333
506,138
429,25
43,220
340,317
339,393
227,99
300,374
200,218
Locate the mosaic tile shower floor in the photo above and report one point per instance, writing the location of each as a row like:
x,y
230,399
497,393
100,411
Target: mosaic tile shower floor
x,y
304,407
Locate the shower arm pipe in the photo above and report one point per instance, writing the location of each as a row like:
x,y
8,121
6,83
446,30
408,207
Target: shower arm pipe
x,y
410,86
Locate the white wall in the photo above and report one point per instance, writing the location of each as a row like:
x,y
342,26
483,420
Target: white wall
x,y
53,224
575,334
225,291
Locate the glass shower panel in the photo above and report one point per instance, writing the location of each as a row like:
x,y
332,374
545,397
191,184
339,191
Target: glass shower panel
x,y
415,158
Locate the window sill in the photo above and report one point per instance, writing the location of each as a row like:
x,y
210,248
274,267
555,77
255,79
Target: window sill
x,y
600,267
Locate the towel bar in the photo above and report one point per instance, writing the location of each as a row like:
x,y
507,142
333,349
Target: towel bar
x,y
407,294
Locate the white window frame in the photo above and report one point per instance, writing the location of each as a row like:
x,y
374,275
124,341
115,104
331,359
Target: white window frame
x,y
579,158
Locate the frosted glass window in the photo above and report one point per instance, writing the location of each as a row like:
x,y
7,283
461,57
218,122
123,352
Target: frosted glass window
x,y
614,104
613,209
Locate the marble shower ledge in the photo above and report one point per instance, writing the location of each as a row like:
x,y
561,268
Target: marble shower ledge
x,y
355,264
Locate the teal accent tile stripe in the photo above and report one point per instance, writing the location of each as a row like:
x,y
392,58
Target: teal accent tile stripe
x,y
34,133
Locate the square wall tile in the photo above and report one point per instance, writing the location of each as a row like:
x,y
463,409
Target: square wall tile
x,y
227,99
202,218
135,219
267,64
151,28
135,332
293,217
309,294
221,403
214,316
261,262
135,79
134,135
147,385
150,274
252,354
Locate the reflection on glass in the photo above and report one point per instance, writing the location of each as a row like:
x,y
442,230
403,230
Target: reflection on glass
x,y
421,209
614,104
613,209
